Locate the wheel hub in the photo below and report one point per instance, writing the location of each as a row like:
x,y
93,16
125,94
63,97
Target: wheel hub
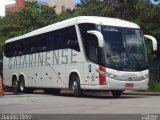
x,y
74,86
21,87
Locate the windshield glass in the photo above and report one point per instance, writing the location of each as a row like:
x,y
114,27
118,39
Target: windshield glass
x,y
124,48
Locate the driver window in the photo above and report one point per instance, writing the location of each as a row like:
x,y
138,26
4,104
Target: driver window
x,y
90,42
93,49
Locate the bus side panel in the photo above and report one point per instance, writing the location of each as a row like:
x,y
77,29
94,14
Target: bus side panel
x,y
78,69
7,72
54,70
54,76
76,65
91,75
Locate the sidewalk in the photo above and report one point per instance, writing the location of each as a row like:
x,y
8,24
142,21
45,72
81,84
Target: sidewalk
x,y
131,92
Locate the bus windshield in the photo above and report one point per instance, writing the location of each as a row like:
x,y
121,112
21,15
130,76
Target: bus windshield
x,y
124,48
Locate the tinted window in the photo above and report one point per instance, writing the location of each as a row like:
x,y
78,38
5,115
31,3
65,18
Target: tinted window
x,y
90,42
53,40
70,39
8,51
59,39
64,38
37,44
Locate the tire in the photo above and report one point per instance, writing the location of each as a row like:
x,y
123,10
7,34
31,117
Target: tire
x,y
15,86
77,92
117,93
22,88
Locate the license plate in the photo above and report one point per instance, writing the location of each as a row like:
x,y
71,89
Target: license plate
x,y
129,85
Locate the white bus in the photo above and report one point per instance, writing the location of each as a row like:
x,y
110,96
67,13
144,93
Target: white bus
x,y
86,53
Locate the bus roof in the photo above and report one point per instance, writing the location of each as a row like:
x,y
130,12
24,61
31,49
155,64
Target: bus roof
x,y
77,20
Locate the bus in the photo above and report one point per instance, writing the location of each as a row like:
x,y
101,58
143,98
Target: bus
x,y
85,53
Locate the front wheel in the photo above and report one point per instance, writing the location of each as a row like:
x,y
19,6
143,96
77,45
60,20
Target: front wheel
x,y
76,87
117,93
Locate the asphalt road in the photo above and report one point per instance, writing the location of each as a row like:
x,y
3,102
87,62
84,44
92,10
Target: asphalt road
x,y
89,104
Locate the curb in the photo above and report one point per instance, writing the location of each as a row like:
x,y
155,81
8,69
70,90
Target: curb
x,y
141,93
127,92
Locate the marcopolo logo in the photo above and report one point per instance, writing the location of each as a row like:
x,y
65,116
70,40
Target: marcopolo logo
x,y
155,1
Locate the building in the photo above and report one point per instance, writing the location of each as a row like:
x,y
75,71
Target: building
x,y
14,7
60,5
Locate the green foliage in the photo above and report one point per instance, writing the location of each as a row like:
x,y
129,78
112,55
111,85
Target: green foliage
x,y
25,20
34,16
154,86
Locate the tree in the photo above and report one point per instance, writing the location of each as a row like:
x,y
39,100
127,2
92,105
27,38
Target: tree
x,y
34,16
27,19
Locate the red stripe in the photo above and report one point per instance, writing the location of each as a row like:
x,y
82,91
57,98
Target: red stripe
x,y
102,78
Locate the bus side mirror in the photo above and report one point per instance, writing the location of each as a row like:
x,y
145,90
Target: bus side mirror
x,y
99,37
154,41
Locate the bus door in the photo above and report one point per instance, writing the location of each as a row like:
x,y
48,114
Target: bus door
x,y
92,54
91,76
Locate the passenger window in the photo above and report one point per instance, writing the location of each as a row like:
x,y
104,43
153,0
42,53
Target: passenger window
x,y
42,42
63,38
20,49
55,40
52,42
17,48
9,50
70,38
32,46
59,39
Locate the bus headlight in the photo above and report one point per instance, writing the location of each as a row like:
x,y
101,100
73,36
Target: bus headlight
x,y
145,76
106,74
110,75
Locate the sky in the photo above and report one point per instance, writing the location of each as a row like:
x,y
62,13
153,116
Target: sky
x,y
5,2
2,5
155,2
